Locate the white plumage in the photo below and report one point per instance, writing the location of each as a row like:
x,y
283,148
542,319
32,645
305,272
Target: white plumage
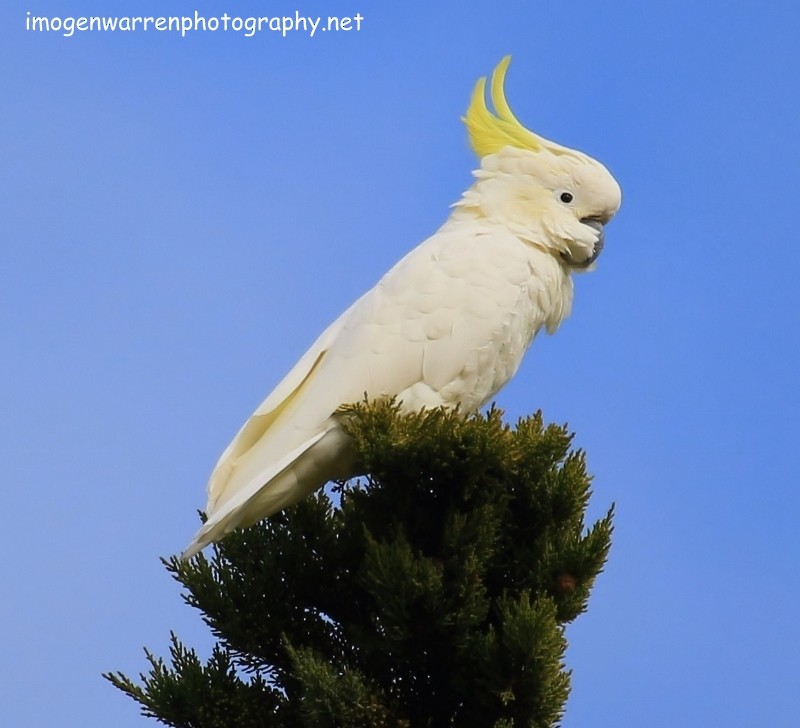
x,y
447,325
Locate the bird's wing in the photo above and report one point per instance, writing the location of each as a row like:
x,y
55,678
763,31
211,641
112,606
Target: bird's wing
x,y
424,334
268,412
439,326
432,329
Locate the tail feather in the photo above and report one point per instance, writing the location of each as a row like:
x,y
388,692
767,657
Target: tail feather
x,y
323,457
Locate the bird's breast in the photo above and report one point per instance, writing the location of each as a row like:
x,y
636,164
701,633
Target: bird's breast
x,y
474,313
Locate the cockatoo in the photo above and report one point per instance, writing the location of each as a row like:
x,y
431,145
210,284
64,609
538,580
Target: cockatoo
x,y
447,326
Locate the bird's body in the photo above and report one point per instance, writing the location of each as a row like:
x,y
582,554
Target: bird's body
x,y
448,326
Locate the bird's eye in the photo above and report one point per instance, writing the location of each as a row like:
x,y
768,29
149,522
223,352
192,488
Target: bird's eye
x,y
566,197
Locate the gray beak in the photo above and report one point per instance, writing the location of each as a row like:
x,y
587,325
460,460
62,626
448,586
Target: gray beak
x,y
593,222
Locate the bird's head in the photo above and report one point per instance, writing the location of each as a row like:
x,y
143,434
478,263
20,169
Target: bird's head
x,y
553,197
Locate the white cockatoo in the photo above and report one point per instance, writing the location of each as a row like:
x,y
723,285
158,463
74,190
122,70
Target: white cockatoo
x,y
447,326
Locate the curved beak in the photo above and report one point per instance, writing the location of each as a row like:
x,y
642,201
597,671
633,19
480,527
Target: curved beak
x,y
597,224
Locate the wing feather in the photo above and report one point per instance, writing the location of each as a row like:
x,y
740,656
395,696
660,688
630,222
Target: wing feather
x,y
446,326
267,413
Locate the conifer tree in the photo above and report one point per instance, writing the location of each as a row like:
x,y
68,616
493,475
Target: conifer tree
x,y
435,594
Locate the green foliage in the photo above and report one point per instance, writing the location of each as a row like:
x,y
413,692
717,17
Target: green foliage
x,y
193,694
436,595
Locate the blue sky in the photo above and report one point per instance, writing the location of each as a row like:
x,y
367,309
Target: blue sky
x,y
180,217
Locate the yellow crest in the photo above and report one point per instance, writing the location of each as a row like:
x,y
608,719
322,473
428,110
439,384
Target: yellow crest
x,y
490,132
